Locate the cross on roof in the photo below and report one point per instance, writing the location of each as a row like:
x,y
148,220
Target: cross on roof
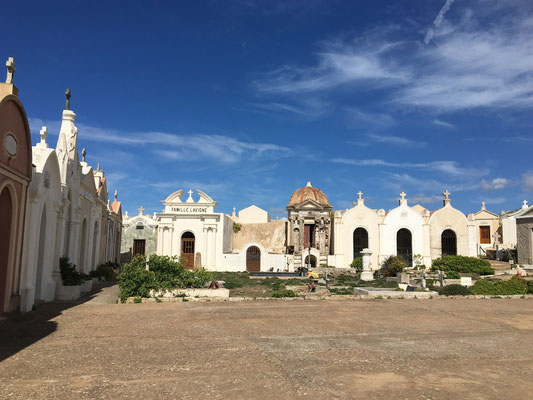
x,y
67,101
116,194
360,194
44,134
10,64
402,195
524,203
83,154
141,210
190,192
446,194
483,205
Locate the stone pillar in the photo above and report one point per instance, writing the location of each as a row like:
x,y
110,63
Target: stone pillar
x,y
172,248
367,274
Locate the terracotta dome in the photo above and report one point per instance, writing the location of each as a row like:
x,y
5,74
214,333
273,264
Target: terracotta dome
x,y
308,193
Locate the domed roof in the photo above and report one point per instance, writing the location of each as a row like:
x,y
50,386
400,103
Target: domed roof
x,y
308,192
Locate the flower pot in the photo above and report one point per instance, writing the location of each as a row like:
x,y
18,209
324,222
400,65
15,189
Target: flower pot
x,y
87,286
68,292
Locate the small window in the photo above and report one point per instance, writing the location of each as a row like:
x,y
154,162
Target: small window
x,y
140,226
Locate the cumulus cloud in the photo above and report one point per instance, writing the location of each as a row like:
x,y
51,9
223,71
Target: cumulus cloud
x,y
495,184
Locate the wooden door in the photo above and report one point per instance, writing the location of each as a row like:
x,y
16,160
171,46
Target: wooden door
x,y
139,247
253,259
484,234
187,249
309,235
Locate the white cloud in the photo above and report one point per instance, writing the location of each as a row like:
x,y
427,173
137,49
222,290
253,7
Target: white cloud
x,y
472,65
490,201
527,182
376,121
442,123
394,140
495,184
218,148
445,167
438,20
424,199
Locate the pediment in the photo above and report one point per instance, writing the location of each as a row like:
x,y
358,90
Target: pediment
x,y
484,214
527,213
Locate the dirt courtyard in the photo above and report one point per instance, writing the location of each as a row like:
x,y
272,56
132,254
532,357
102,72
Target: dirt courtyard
x,y
283,349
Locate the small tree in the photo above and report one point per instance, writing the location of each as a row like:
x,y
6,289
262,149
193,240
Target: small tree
x,y
393,265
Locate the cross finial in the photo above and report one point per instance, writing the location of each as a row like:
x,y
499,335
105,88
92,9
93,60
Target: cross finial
x,y
10,64
446,194
141,210
83,154
360,194
483,205
116,194
308,184
524,204
190,193
98,167
402,195
67,101
44,134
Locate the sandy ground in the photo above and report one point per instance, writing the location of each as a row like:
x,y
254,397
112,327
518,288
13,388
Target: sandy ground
x,y
283,349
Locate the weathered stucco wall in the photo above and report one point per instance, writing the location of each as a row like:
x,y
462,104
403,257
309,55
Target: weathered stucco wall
x,y
271,235
524,234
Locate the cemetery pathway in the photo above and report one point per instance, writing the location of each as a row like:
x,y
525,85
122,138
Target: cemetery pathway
x,y
313,349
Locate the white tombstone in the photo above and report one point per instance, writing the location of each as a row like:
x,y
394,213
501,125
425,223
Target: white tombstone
x,y
466,281
367,274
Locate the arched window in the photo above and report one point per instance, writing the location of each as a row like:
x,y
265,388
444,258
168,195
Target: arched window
x,y
360,241
449,243
310,262
404,245
187,249
253,259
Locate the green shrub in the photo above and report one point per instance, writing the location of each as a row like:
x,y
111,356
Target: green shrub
x,y
135,280
357,263
171,274
454,290
106,271
69,275
137,300
515,285
452,275
284,293
463,265
393,265
530,287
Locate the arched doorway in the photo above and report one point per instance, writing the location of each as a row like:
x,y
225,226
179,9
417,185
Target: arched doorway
x,y
6,210
253,259
187,249
404,245
310,262
449,243
360,241
40,257
83,247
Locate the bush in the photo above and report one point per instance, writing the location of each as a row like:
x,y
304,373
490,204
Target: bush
x,y
171,274
357,263
392,265
515,285
69,275
461,264
454,290
530,287
284,293
106,271
452,275
135,280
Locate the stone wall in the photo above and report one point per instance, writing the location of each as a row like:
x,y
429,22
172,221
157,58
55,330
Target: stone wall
x,y
271,235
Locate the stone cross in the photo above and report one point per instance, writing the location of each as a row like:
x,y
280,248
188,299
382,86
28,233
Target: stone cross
x,y
524,204
98,167
83,154
446,194
402,195
190,192
234,211
44,134
360,194
67,101
10,64
141,210
116,194
483,205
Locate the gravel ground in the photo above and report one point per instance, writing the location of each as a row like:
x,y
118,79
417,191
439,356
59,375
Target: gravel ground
x,y
334,349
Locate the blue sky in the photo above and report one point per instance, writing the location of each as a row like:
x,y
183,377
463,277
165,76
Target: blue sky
x,y
248,100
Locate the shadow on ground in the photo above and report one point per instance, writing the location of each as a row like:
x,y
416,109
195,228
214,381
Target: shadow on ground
x,y
21,330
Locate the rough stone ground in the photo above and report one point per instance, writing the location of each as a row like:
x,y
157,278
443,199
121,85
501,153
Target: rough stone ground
x,y
316,349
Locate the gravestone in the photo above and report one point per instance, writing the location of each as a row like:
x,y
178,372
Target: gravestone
x,y
403,277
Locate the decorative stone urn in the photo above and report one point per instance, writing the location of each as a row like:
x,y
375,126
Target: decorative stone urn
x,y
366,274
